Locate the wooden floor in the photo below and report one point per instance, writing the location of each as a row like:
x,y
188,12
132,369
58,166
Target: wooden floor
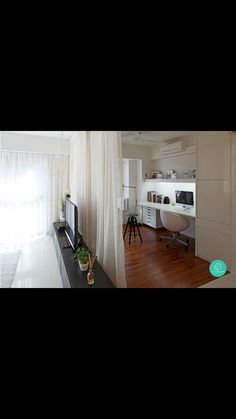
x,y
153,265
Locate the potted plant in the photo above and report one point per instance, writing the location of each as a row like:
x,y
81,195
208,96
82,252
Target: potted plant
x,y
82,256
61,207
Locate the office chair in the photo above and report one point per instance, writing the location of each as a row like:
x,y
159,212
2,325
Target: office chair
x,y
174,223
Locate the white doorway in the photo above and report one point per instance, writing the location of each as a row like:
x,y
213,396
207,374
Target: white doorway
x,y
132,187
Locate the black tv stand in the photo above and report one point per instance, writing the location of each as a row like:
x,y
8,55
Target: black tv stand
x,y
72,276
64,243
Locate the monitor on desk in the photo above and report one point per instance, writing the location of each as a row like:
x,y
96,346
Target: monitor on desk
x,y
184,198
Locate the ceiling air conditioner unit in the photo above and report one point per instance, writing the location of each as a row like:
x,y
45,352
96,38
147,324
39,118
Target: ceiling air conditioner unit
x,y
172,148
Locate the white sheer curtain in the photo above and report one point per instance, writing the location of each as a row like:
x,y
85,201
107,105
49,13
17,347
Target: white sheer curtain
x,y
96,187
30,186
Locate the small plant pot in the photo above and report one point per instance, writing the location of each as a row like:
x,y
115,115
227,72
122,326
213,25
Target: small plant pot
x,y
83,266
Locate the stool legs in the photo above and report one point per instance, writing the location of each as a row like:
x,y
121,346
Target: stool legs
x,y
130,229
128,222
136,223
132,224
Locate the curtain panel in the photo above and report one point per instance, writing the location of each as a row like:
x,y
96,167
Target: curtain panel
x,y
31,185
96,187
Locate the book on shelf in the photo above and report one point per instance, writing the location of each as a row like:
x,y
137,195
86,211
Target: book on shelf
x,y
152,196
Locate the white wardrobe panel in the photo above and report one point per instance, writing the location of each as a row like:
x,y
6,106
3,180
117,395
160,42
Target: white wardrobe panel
x,y
213,202
213,155
213,245
212,225
214,213
233,203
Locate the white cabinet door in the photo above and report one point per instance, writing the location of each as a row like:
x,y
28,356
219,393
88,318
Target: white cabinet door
x,y
233,203
64,276
213,196
213,245
213,155
214,200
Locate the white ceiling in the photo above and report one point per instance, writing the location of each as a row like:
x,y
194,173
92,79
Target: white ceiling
x,y
150,138
53,134
143,138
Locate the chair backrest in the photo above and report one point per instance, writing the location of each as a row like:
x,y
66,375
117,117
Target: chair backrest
x,y
174,222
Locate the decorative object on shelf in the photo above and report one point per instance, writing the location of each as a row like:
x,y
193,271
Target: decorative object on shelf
x,y
157,174
173,174
193,174
159,199
167,174
160,175
166,200
170,173
178,179
90,278
82,255
90,274
186,174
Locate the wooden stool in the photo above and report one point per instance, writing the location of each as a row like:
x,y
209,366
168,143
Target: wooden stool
x,y
133,225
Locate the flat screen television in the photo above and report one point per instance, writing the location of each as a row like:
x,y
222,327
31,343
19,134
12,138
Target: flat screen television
x,y
184,198
71,223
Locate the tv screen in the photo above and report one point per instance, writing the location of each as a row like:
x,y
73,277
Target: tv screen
x,y
184,198
71,223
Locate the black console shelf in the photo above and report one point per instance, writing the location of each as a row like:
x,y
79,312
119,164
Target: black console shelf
x,y
71,274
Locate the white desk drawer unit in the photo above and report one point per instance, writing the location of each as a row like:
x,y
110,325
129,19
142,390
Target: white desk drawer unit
x,y
151,217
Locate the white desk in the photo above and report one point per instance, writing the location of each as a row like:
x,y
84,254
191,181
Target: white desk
x,y
190,213
171,208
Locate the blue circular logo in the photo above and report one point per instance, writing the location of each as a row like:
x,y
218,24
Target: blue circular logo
x,y
218,268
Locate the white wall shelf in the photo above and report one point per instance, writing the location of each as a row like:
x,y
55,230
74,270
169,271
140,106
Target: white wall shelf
x,y
171,180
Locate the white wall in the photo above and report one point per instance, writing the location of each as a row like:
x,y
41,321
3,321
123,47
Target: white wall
x,y
139,152
31,143
179,163
168,189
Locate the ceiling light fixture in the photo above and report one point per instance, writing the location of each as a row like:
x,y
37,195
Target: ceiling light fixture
x,y
139,138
